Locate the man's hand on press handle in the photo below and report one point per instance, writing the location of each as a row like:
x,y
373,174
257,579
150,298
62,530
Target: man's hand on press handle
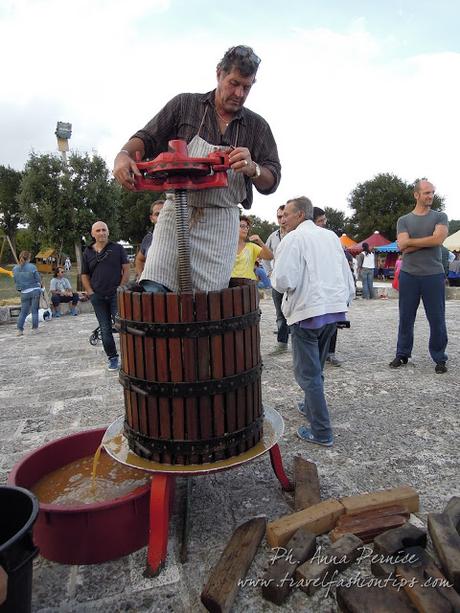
x,y
241,161
124,169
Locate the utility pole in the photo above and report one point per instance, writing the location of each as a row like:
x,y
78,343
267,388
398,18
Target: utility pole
x,y
63,134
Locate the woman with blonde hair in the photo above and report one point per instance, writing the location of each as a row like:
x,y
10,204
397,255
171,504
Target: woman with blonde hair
x,y
28,282
250,248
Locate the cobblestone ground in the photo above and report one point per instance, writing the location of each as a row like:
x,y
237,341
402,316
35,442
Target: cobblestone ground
x,y
391,428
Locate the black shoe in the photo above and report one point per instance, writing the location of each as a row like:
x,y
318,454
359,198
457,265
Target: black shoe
x,y
440,368
397,362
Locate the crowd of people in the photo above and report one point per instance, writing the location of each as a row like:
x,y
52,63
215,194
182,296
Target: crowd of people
x,y
29,283
313,279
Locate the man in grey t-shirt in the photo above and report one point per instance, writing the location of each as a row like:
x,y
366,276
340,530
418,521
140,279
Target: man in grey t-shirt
x,y
420,235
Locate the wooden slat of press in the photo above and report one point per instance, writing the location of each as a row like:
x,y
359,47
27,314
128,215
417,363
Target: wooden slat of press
x,y
139,358
203,427
254,297
259,403
124,355
189,351
229,362
123,341
257,299
258,393
128,407
138,340
217,368
239,365
248,356
176,371
131,361
254,328
150,371
161,353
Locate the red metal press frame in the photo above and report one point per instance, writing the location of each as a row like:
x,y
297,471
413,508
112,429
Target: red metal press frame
x,y
175,169
161,502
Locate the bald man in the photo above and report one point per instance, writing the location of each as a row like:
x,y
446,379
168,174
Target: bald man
x,y
104,267
420,235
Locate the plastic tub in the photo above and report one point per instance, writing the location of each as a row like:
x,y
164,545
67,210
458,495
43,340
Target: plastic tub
x,y
86,533
19,510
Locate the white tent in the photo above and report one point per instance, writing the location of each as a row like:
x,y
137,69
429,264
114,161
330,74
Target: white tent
x,y
452,242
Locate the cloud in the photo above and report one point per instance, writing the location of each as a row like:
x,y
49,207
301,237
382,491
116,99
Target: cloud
x,y
341,111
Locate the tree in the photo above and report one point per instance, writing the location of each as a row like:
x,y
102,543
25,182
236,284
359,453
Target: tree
x,y
262,227
10,212
454,225
379,202
60,201
26,240
336,220
133,214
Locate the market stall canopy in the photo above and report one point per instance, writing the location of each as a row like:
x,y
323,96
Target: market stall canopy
x,y
391,248
347,242
374,240
452,242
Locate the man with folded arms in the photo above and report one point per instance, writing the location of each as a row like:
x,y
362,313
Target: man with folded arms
x,y
420,235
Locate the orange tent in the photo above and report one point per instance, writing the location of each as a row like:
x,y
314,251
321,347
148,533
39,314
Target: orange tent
x,y
347,242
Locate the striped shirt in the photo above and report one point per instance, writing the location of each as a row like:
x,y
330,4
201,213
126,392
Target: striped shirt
x,y
182,118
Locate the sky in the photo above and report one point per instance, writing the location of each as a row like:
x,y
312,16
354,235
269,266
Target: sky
x,y
350,88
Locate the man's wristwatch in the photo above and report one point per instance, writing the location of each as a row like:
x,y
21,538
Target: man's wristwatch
x,y
256,174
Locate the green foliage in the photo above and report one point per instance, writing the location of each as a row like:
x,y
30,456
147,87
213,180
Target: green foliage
x,y
26,240
379,202
10,213
336,220
262,227
61,202
454,226
133,214
92,195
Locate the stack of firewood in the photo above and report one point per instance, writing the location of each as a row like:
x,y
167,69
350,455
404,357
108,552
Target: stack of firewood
x,y
404,577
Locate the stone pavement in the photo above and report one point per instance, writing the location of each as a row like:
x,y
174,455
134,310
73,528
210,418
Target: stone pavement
x,y
391,428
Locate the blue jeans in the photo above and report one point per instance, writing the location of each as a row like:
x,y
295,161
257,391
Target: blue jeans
x,y
29,302
105,308
310,349
56,299
153,287
283,330
431,289
367,278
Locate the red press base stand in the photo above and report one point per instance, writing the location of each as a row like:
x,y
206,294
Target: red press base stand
x,y
161,501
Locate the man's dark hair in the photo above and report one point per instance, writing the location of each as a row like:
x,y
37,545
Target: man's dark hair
x,y
154,204
317,212
303,204
241,58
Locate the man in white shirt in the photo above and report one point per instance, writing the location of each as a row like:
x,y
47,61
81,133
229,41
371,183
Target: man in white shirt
x,y
313,273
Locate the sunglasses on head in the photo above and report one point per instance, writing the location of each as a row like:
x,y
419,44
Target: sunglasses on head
x,y
243,51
